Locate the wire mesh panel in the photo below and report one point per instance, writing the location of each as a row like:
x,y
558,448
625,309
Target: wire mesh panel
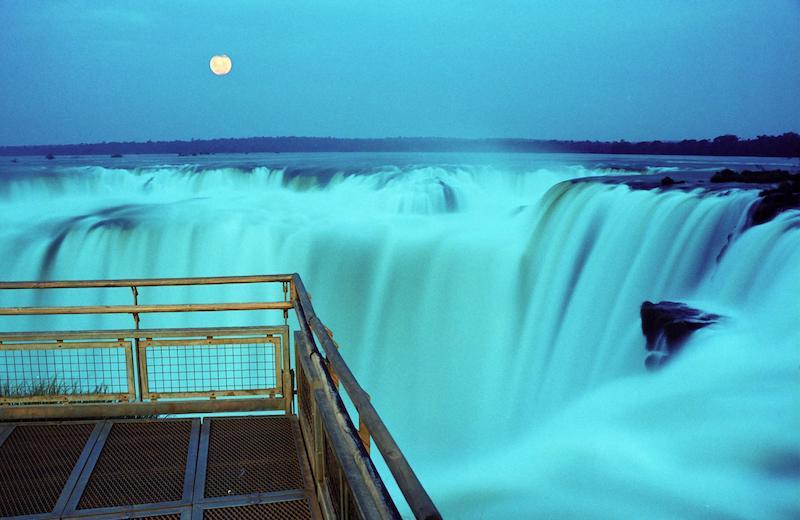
x,y
142,462
252,455
333,478
66,371
288,510
217,366
303,395
35,463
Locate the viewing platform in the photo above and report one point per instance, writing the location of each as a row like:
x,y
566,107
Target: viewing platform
x,y
179,423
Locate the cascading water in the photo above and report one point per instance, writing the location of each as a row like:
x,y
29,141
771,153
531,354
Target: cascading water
x,y
491,310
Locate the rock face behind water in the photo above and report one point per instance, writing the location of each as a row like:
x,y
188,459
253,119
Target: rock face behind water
x,y
782,196
774,201
753,176
667,325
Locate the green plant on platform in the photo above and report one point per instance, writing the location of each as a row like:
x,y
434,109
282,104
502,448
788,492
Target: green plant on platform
x,y
44,387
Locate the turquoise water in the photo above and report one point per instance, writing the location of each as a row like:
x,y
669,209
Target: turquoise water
x,y
488,305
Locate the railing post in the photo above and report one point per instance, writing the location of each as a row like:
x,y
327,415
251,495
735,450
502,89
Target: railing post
x,y
418,499
286,299
136,303
363,431
139,364
288,383
328,365
319,448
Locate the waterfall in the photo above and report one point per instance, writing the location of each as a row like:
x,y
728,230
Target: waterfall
x,y
492,313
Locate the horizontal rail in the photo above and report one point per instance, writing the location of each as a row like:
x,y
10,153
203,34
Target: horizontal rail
x,y
138,409
141,309
62,345
418,499
358,472
351,465
64,398
140,333
258,340
258,396
146,282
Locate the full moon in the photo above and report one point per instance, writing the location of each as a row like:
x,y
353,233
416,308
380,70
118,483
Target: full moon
x,y
220,64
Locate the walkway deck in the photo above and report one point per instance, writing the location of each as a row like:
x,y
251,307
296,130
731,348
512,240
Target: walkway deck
x,y
113,456
231,467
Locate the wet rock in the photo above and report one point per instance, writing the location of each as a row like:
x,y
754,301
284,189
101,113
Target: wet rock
x,y
773,204
783,196
669,181
667,325
775,201
450,200
726,175
752,177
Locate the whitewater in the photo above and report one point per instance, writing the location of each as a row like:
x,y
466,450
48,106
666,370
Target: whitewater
x,y
488,303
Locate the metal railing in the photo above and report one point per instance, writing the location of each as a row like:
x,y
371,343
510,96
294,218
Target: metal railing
x,y
144,372
209,370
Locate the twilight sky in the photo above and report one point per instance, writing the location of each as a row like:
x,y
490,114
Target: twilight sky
x,y
87,71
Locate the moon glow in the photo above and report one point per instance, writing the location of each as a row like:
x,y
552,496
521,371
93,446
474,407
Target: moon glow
x,y
220,64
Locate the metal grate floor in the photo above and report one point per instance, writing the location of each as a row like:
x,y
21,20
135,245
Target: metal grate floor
x,y
240,463
142,462
278,510
35,465
233,467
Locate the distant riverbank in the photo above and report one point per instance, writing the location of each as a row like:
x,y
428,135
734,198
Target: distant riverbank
x,y
786,145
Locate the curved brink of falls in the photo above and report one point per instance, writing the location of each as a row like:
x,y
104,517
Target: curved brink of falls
x,y
493,315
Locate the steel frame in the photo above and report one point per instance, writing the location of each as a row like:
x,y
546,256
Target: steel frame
x,y
318,362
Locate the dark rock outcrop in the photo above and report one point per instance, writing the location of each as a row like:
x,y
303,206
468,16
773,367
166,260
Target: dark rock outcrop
x,y
784,194
726,175
753,177
669,181
667,325
774,201
449,194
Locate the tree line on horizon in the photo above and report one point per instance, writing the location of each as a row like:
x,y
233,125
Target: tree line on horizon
x,y
785,145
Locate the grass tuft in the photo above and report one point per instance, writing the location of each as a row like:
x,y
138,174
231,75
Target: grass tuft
x,y
44,387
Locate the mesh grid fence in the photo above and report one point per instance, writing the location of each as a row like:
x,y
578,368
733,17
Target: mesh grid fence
x,y
63,371
304,395
333,477
207,368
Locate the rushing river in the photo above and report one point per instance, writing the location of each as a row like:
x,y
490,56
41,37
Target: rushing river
x,y
489,305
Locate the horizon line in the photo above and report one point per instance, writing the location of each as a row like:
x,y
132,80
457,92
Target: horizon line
x,y
389,138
